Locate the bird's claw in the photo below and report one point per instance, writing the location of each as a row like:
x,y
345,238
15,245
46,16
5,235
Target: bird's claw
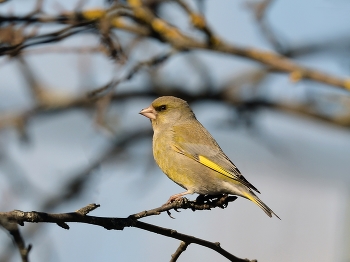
x,y
169,214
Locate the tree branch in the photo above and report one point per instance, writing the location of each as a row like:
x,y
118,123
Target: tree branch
x,y
14,232
189,239
115,223
149,25
277,62
183,203
182,247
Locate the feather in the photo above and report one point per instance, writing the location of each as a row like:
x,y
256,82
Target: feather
x,y
209,154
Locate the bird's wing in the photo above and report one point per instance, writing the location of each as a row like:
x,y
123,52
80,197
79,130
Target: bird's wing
x,y
204,149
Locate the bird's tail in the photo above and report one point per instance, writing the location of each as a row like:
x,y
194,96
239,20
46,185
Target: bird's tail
x,y
252,197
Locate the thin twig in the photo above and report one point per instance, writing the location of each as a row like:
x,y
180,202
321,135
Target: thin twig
x,y
182,247
154,61
13,230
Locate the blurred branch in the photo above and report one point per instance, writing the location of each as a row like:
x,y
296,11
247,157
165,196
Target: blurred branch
x,y
65,50
260,10
12,229
19,120
279,42
80,216
77,183
154,61
151,26
197,20
178,40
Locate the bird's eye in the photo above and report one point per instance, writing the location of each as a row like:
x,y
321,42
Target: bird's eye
x,y
162,108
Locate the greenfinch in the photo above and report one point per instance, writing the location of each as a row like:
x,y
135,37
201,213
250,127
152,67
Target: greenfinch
x,y
187,153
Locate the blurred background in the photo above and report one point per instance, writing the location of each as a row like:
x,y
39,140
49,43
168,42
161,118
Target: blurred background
x,y
72,84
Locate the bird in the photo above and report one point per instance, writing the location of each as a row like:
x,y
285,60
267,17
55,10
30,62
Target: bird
x,y
187,153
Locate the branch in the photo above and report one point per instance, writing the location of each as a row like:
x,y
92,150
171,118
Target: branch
x,y
13,230
179,40
147,24
182,247
189,239
153,61
183,203
19,121
81,215
114,223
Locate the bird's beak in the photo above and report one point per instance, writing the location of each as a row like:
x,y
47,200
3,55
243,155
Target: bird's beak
x,y
149,112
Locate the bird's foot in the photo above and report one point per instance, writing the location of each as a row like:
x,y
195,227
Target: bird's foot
x,y
177,196
172,199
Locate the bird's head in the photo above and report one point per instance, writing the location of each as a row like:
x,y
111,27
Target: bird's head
x,y
167,110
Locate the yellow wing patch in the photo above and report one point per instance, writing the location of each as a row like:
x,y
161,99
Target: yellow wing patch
x,y
205,161
217,160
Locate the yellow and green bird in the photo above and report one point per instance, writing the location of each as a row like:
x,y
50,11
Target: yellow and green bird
x,y
187,153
